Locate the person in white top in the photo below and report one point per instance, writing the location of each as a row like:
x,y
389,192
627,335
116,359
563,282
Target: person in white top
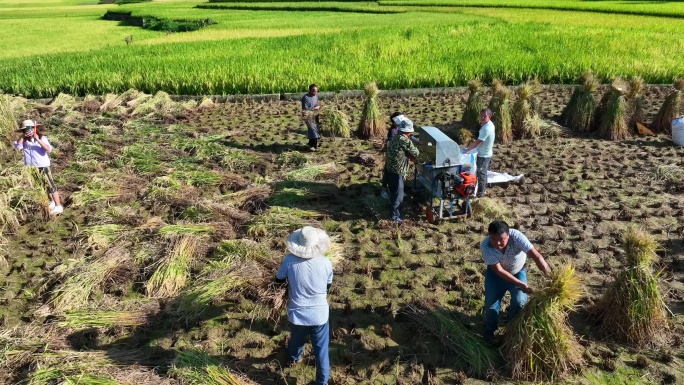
x,y
505,252
485,145
37,148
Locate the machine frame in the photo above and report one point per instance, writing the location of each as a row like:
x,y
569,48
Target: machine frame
x,y
444,157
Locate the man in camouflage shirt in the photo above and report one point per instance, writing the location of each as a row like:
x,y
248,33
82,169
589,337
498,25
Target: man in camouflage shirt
x,y
399,150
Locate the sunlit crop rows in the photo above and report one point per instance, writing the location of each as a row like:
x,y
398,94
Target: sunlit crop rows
x,y
280,51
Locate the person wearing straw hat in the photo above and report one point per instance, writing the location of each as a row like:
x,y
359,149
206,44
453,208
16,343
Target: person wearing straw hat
x,y
309,275
37,148
399,150
505,252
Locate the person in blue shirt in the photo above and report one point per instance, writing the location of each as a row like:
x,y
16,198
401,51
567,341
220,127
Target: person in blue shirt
x,y
309,275
485,148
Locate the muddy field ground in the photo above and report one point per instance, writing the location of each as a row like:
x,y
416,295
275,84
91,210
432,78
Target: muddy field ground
x,y
142,175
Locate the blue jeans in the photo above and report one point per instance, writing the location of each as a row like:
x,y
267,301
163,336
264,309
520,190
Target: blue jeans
x,y
320,339
495,289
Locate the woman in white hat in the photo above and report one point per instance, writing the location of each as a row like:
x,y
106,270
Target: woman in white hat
x,y
37,148
399,150
309,276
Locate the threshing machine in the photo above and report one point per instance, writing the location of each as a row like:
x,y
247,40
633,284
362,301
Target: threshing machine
x,y
446,174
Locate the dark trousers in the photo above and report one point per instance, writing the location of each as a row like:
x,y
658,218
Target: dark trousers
x,y
482,165
313,132
396,187
51,182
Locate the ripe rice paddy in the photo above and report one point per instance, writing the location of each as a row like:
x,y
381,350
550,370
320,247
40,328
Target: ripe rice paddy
x,y
283,46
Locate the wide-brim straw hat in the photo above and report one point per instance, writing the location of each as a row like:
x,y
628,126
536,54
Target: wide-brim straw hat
x,y
27,123
308,242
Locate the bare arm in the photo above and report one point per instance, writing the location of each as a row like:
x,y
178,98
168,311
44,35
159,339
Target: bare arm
x,y
44,145
539,261
508,277
473,145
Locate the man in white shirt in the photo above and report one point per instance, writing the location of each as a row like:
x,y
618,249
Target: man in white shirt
x,y
485,148
505,252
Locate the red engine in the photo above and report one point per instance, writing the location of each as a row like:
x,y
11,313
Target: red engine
x,y
465,183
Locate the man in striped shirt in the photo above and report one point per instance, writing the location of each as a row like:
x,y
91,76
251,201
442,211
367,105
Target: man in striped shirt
x,y
505,252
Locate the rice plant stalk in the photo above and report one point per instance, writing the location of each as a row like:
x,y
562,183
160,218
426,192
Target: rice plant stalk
x,y
278,220
336,121
75,292
197,368
632,309
465,137
490,209
500,105
205,104
94,318
291,159
475,104
671,108
372,123
9,221
313,173
173,270
289,197
637,102
98,190
185,229
579,113
477,356
216,282
613,121
8,121
236,160
3,252
538,342
63,101
102,236
523,112
112,101
28,193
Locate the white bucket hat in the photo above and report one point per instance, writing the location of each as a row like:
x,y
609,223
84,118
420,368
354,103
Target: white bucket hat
x,y
28,123
308,242
403,123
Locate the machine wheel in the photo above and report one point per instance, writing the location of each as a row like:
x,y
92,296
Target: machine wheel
x,y
467,209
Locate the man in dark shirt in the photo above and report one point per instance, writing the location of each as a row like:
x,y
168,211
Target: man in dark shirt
x,y
310,109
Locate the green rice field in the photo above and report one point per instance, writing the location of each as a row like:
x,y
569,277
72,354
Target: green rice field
x,y
274,47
